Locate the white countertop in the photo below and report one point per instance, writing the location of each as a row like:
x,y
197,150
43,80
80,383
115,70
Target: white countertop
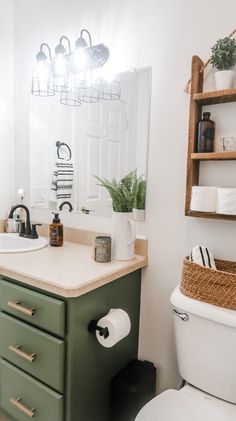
x,y
68,271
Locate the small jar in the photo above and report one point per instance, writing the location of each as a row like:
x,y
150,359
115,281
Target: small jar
x,y
102,249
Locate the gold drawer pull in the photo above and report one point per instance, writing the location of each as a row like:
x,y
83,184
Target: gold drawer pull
x,y
17,350
18,307
17,403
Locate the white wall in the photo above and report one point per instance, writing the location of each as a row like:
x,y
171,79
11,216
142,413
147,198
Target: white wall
x,y
6,107
164,35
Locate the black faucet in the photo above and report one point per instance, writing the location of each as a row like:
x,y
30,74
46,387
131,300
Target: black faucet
x,y
26,230
66,203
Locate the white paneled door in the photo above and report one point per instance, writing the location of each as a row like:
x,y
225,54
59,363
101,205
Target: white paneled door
x,y
102,132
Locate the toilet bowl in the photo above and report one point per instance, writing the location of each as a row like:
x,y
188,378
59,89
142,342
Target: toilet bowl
x,y
187,404
205,337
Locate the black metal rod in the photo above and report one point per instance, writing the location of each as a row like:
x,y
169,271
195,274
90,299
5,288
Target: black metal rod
x,y
44,44
89,36
103,331
68,41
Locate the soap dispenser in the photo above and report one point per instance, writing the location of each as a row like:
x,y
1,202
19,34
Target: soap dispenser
x,y
56,231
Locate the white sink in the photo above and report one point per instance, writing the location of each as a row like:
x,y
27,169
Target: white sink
x,y
13,243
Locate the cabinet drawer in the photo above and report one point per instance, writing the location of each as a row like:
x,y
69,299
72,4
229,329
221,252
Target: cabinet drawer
x,y
32,350
24,397
38,309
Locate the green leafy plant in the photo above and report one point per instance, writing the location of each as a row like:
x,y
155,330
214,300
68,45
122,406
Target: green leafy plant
x,y
224,54
123,192
140,196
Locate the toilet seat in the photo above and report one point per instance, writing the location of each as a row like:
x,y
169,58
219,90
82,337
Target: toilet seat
x,y
187,404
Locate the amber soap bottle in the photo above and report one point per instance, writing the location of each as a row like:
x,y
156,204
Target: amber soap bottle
x,y
56,231
206,134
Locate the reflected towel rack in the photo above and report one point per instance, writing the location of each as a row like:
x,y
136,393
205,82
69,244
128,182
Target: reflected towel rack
x,y
59,145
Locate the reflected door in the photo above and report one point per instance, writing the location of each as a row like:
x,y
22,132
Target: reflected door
x,y
102,138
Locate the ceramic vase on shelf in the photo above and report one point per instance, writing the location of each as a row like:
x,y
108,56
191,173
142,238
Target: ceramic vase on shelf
x,y
123,236
139,214
224,79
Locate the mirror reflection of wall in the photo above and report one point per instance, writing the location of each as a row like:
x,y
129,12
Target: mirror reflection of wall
x,y
107,139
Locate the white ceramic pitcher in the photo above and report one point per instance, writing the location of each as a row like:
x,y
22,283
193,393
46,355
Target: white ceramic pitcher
x,y
123,236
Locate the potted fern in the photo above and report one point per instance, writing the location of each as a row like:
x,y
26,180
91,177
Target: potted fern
x,y
123,231
140,200
223,58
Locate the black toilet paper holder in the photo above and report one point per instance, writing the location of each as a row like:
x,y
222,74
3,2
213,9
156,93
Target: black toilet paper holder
x,y
103,331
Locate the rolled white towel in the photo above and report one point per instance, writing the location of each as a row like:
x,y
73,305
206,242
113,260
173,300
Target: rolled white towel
x,y
203,198
226,201
202,256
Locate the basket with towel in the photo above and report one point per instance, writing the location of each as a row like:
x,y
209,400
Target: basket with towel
x,y
213,282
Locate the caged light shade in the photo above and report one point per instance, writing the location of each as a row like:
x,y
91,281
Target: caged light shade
x,y
42,79
109,90
61,65
70,98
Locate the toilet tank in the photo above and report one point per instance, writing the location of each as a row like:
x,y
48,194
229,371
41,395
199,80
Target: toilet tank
x,y
206,345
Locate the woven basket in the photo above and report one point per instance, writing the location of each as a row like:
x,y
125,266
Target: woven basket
x,y
216,287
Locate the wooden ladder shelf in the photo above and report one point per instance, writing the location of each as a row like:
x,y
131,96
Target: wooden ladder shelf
x,y
197,100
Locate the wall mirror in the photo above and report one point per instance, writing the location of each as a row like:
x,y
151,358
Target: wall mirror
x,y
107,138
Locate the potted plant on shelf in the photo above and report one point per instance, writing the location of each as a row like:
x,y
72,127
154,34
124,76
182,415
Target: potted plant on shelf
x,y
123,231
140,200
223,58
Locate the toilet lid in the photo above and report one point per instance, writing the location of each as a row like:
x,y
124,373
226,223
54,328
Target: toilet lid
x,y
174,405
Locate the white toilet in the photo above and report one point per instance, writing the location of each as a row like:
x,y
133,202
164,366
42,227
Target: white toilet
x,y
206,351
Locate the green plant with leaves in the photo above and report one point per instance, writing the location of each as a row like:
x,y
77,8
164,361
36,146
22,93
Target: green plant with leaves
x,y
122,192
224,54
140,196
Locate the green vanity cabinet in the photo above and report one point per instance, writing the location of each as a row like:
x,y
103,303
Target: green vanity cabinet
x,y
71,370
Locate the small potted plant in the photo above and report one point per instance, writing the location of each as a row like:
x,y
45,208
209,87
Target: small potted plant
x,y
140,200
123,231
223,58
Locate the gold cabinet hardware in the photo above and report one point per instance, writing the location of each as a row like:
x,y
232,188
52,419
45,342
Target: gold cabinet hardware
x,y
18,307
19,405
17,350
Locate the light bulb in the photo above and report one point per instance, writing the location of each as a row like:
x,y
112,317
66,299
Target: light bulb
x,y
88,77
42,70
79,59
60,65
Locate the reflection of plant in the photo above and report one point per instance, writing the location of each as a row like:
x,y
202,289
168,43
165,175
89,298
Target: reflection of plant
x,y
140,196
123,192
224,54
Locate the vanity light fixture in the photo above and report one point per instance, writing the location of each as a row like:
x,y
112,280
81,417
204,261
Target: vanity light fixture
x,y
76,75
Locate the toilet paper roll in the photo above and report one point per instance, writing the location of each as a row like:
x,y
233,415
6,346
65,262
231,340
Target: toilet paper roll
x,y
118,323
226,201
203,198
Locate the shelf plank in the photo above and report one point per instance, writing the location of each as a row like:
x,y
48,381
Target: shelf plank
x,y
211,215
215,97
214,156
